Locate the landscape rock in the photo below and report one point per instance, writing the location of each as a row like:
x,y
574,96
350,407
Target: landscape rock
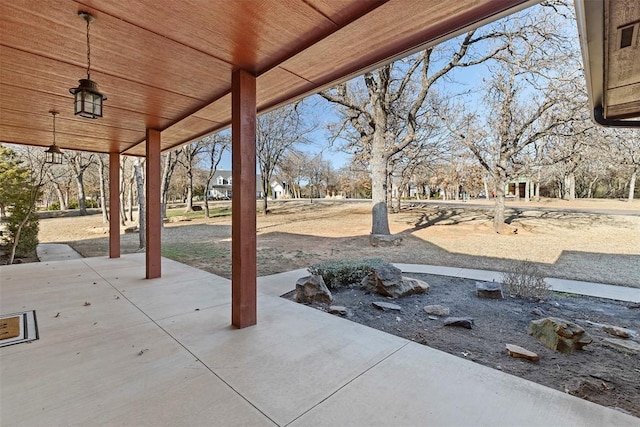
x,y
625,345
618,331
537,311
438,310
386,306
521,352
376,240
463,322
387,280
312,289
489,290
559,334
338,309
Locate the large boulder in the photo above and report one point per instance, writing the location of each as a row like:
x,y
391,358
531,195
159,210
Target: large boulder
x,y
559,334
312,289
387,280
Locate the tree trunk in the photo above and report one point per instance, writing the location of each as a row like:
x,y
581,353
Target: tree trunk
x,y
58,190
569,187
486,187
498,218
380,219
527,189
82,199
265,207
167,171
379,163
189,198
122,187
103,203
142,223
632,185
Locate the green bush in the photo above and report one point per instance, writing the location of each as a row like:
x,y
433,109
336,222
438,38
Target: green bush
x,y
523,279
28,240
343,273
55,206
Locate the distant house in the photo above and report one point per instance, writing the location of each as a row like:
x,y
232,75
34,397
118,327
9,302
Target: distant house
x,y
278,191
221,186
519,188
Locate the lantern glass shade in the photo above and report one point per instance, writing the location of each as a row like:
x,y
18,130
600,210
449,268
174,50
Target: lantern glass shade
x,y
53,155
88,100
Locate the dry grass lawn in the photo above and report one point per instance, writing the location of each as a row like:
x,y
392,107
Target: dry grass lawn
x,y
600,242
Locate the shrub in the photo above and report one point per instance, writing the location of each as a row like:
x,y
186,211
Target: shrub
x,y
28,234
342,273
55,206
524,279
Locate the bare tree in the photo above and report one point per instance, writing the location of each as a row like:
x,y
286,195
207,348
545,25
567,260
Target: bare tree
x,y
169,163
384,112
78,163
57,176
102,183
138,166
535,92
292,170
627,148
188,160
276,133
214,148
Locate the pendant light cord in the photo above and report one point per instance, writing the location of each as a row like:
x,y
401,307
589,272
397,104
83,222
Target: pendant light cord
x,y
88,50
54,128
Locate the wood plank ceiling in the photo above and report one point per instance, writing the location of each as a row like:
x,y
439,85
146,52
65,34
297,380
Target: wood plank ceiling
x,y
167,64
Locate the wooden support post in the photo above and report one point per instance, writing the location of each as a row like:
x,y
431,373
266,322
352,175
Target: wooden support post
x,y
243,219
153,214
114,205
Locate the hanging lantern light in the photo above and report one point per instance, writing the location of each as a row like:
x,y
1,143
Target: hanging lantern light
x,y
53,154
88,99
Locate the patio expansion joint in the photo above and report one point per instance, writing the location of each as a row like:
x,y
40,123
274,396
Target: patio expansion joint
x,y
349,382
183,346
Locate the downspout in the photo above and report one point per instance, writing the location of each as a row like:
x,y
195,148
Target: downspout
x,y
599,118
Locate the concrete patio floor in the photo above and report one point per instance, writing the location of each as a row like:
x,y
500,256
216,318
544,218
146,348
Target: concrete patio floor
x,y
128,351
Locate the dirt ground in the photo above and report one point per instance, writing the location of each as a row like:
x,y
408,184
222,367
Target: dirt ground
x,y
601,373
590,240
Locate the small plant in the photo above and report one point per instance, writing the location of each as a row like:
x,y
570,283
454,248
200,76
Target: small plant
x,y
343,273
524,279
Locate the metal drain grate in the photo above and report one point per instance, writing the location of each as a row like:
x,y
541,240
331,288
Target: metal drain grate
x,y
16,328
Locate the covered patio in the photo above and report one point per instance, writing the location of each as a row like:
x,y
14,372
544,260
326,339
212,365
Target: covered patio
x,y
142,340
174,72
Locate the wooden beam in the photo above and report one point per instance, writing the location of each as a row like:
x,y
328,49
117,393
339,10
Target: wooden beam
x,y
153,213
114,205
243,219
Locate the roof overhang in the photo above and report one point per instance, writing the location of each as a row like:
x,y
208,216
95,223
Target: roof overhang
x,y
610,42
167,64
